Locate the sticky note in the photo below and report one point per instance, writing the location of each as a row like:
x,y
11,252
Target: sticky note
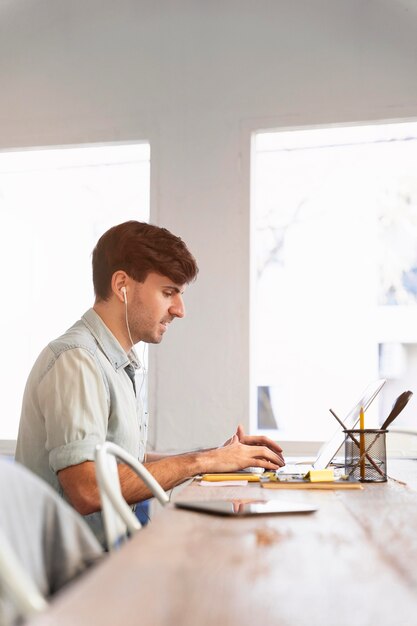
x,y
320,476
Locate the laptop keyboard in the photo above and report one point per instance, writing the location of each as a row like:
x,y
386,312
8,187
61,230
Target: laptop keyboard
x,y
294,468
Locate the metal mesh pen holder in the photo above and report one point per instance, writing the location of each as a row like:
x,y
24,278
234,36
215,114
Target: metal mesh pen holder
x,y
366,455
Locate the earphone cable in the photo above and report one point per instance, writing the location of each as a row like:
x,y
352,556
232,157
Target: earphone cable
x,y
142,364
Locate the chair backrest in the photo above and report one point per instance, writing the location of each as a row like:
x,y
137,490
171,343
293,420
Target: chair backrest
x,y
118,518
25,597
44,543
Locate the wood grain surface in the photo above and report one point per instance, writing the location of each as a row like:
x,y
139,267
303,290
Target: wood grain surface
x,y
353,562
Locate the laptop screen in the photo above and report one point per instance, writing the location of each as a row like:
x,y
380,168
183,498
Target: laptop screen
x,y
331,447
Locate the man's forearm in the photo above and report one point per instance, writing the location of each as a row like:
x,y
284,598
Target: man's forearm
x,y
150,457
80,485
172,470
238,452
169,471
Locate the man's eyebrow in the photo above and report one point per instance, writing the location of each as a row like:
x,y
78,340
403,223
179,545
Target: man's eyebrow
x,y
174,287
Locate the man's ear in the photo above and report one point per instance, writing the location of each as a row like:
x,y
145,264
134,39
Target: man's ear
x,y
119,285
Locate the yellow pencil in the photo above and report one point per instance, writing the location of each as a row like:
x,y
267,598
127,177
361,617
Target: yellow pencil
x,y
218,478
362,442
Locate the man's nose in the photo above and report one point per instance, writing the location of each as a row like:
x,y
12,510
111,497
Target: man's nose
x,y
177,308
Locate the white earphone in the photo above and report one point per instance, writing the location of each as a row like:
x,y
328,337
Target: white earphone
x,y
124,292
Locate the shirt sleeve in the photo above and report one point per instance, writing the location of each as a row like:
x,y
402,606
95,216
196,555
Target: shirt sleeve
x,y
74,402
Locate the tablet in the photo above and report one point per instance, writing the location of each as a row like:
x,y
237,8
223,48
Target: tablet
x,y
247,507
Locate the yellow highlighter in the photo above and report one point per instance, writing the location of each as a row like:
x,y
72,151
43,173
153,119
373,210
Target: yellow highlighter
x,y
252,478
362,442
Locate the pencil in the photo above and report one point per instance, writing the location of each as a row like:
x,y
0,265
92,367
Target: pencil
x,y
357,444
362,442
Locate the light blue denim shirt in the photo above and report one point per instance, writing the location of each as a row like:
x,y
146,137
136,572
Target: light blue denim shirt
x,y
78,394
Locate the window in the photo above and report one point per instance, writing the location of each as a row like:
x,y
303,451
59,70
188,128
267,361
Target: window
x,y
335,266
54,205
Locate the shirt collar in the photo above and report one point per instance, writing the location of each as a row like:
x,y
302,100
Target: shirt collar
x,y
108,342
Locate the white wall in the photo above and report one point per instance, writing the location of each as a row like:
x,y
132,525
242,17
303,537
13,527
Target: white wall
x,y
195,78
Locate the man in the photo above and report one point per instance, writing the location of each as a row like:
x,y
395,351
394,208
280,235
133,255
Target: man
x,y
82,390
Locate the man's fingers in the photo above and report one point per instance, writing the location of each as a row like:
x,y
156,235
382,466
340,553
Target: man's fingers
x,y
263,452
268,465
260,440
239,456
233,439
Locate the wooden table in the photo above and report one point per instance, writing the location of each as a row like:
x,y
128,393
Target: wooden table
x,y
353,562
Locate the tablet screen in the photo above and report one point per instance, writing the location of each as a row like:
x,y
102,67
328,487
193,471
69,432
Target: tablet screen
x,y
241,508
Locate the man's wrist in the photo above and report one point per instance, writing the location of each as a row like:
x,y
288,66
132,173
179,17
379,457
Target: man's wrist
x,y
205,461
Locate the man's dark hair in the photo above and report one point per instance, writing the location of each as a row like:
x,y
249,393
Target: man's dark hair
x,y
139,248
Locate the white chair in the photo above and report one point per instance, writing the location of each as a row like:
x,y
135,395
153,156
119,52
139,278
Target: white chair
x,y
118,518
22,591
44,544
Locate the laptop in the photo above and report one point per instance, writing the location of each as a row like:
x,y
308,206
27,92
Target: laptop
x,y
330,448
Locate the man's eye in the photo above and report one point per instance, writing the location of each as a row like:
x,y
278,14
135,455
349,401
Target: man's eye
x,y
168,294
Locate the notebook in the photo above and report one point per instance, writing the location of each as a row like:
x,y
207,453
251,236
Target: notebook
x,y
330,448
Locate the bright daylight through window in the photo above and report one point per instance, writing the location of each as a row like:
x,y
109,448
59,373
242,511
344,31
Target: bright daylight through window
x,y
335,274
54,204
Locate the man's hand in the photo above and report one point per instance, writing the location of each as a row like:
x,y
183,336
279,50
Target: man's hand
x,y
256,440
259,440
241,451
236,456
